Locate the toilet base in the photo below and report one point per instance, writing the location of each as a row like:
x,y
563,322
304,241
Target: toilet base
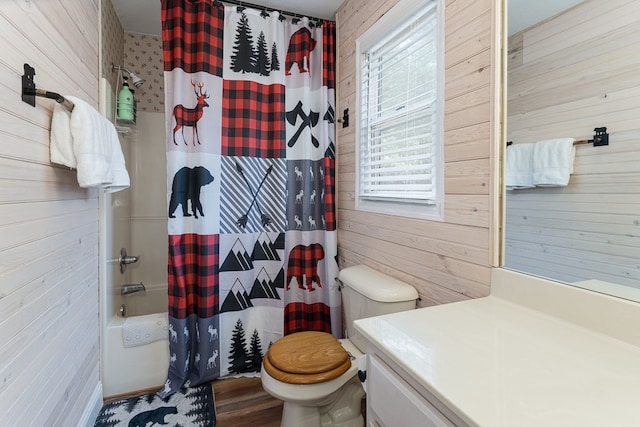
x,y
344,410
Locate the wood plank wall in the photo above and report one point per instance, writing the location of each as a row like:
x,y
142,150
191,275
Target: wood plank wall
x,y
566,77
49,338
446,261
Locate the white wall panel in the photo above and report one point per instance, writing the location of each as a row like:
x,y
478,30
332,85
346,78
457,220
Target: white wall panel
x,y
49,342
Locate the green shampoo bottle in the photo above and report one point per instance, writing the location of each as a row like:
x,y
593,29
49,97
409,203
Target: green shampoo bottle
x,y
125,102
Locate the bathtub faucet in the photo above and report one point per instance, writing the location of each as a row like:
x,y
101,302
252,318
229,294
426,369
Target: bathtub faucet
x,y
125,260
131,288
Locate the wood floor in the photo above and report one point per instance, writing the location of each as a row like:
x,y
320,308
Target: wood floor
x,y
242,402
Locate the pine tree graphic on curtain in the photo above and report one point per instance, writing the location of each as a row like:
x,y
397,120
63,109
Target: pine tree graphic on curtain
x,y
242,359
263,64
255,352
275,62
247,58
243,59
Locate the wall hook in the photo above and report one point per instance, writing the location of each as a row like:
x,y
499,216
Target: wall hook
x,y
345,118
29,85
601,137
29,90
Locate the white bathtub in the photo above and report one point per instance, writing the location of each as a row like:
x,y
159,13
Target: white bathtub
x,y
129,369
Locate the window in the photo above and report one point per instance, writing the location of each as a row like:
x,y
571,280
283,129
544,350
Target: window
x,y
399,141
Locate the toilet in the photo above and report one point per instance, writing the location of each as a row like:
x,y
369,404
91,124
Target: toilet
x,y
314,373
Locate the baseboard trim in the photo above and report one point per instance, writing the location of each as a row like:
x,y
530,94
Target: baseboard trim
x,y
92,409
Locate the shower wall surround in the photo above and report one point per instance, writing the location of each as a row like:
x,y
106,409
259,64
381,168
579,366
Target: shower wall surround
x,y
112,42
143,53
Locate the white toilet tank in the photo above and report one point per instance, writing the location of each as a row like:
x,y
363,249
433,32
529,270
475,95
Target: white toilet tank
x,y
368,293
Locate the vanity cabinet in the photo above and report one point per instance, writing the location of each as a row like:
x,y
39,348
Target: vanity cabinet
x,y
391,401
533,353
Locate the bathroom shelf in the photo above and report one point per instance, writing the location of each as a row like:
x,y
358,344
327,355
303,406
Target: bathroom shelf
x,y
125,121
125,126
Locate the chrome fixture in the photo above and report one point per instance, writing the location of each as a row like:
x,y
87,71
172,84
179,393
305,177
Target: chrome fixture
x,y
137,81
131,288
124,260
122,311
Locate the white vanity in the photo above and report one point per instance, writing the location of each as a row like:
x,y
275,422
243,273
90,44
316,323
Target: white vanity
x,y
534,353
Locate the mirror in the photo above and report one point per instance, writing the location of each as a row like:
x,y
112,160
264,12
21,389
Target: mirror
x,y
576,69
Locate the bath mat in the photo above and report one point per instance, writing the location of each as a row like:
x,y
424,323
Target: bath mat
x,y
188,407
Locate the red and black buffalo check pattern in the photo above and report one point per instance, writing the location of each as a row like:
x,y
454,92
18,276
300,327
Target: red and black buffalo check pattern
x,y
192,36
330,193
253,119
299,316
329,54
193,275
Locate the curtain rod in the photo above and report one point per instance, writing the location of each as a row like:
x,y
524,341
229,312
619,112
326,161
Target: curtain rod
x,y
271,9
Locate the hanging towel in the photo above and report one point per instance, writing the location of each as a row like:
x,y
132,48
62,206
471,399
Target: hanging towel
x,y
87,141
553,162
141,330
61,144
519,166
119,174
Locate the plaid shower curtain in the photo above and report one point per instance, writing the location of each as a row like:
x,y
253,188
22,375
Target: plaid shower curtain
x,y
250,99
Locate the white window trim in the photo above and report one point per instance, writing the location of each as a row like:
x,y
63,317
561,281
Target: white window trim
x,y
394,17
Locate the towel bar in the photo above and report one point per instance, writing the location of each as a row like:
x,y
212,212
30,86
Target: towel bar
x,y
600,138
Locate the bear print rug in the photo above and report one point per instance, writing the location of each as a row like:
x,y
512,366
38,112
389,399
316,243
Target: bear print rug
x,y
188,407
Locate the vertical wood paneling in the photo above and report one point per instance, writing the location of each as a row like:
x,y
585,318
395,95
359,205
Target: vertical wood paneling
x,y
48,225
566,78
446,261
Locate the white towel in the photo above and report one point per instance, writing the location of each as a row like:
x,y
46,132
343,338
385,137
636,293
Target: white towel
x,y
141,330
61,144
553,162
519,166
87,141
119,174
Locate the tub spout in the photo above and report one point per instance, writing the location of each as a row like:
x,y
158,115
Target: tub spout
x,y
131,288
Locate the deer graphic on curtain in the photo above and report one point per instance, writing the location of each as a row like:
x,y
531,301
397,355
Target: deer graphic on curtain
x,y
188,117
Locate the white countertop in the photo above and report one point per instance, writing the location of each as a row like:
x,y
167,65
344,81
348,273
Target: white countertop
x,y
496,363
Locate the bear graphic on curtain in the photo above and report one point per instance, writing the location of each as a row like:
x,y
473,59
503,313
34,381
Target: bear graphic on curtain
x,y
185,190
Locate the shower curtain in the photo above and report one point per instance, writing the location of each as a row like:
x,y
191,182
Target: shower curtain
x,y
250,130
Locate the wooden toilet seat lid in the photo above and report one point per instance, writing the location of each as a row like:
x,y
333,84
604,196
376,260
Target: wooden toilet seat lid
x,y
306,357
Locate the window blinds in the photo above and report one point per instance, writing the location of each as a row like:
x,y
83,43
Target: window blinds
x,y
398,127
